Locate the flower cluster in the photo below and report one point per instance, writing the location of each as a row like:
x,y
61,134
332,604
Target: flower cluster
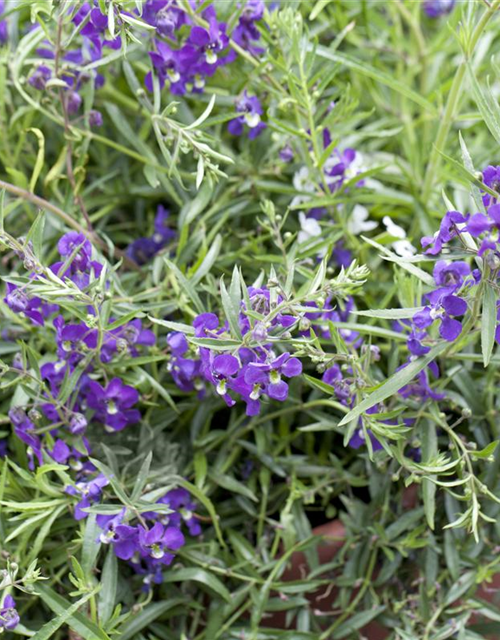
x,y
93,29
254,370
184,62
149,542
143,249
81,349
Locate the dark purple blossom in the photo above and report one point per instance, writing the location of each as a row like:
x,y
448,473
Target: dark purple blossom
x,y
112,404
268,375
205,46
451,225
38,80
159,542
183,507
89,493
251,110
9,617
438,8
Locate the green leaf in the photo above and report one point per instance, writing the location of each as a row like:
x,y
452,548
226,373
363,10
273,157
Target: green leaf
x,y
357,621
109,581
39,158
142,477
390,314
363,68
488,323
208,260
200,576
429,452
35,234
124,319
231,484
408,266
486,104
77,621
231,310
48,629
207,503
147,615
488,451
395,383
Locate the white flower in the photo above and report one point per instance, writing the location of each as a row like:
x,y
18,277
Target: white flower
x,y
358,222
309,228
393,229
402,246
302,182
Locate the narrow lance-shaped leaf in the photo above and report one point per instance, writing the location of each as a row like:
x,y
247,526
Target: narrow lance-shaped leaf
x,y
395,383
488,323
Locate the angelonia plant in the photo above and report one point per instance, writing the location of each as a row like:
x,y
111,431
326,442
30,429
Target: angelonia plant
x,y
250,255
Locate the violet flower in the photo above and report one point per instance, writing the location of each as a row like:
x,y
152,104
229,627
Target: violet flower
x,y
89,493
438,8
268,375
159,542
112,404
251,110
9,617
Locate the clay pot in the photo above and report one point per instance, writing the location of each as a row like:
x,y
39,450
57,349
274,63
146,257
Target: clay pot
x,y
332,536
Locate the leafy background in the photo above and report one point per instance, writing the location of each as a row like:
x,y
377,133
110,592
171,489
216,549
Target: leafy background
x,y
405,89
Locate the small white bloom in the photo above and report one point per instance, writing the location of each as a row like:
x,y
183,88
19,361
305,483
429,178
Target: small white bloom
x,y
358,222
404,248
393,229
302,182
309,228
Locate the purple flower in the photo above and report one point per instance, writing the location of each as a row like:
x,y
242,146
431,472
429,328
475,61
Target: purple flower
x,y
220,369
178,343
179,500
24,429
126,339
162,232
89,493
123,537
4,35
74,341
333,376
251,110
170,67
9,618
95,118
450,275
269,375
164,15
159,542
438,8
19,302
491,178
112,404
205,46
246,33
451,225
286,153
142,250
445,307
38,80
